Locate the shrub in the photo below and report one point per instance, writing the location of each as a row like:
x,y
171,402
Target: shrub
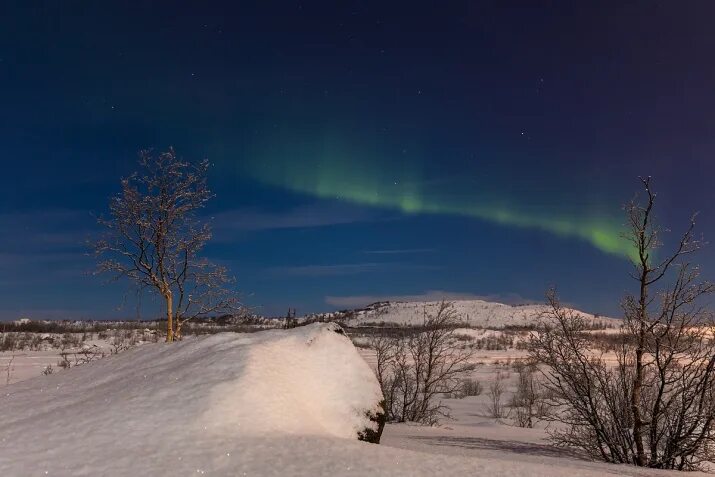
x,y
471,387
415,367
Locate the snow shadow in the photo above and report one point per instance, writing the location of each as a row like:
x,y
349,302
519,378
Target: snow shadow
x,y
516,447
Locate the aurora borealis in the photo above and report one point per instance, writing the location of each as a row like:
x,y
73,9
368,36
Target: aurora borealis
x,y
330,175
358,149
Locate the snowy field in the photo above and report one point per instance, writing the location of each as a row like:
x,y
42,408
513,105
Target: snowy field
x,y
472,433
29,362
269,403
22,365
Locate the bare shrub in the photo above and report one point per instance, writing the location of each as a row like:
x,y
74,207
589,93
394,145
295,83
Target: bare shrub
x,y
117,346
417,366
64,362
527,403
9,342
494,343
71,340
69,359
471,387
463,337
495,407
656,406
9,368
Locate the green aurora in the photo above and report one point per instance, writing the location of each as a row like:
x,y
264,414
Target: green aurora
x,y
330,173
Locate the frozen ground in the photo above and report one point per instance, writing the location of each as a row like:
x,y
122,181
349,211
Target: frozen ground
x,y
283,403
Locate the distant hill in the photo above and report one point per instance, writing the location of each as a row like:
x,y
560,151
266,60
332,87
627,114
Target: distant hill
x,y
476,313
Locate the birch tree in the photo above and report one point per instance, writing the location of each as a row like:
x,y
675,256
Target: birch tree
x,y
154,236
655,407
418,366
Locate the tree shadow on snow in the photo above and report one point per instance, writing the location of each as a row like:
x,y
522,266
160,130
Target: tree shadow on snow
x,y
517,447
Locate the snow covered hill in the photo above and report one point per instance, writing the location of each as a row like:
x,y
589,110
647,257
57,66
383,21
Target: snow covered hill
x,y
477,313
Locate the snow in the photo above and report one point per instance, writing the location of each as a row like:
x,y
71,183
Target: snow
x,y
143,410
476,313
272,403
305,382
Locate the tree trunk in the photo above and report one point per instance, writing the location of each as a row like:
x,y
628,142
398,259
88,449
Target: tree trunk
x,y
169,317
638,378
636,410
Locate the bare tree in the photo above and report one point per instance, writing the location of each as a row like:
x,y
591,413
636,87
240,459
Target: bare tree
x,y
495,406
386,349
80,357
655,407
9,369
418,366
527,402
154,237
470,387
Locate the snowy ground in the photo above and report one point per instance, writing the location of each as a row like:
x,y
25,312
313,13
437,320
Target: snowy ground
x,y
22,365
271,403
473,434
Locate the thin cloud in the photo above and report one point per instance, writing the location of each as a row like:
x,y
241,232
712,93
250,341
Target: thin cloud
x,y
324,270
44,247
34,232
228,223
400,251
344,269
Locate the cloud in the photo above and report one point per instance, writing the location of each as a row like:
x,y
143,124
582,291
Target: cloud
x,y
357,301
400,251
324,270
226,224
21,263
50,231
44,246
344,269
44,313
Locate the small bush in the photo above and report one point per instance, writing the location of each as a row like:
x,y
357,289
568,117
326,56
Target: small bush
x,y
463,337
495,407
471,387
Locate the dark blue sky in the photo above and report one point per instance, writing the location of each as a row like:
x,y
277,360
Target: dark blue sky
x,y
361,150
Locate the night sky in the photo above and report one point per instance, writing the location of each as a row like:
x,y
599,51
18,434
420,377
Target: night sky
x,y
360,151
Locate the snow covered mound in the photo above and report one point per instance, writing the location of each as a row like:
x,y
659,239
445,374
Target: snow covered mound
x,y
308,381
477,313
142,412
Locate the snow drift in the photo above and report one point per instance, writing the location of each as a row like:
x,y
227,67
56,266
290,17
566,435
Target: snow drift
x,y
308,381
153,403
